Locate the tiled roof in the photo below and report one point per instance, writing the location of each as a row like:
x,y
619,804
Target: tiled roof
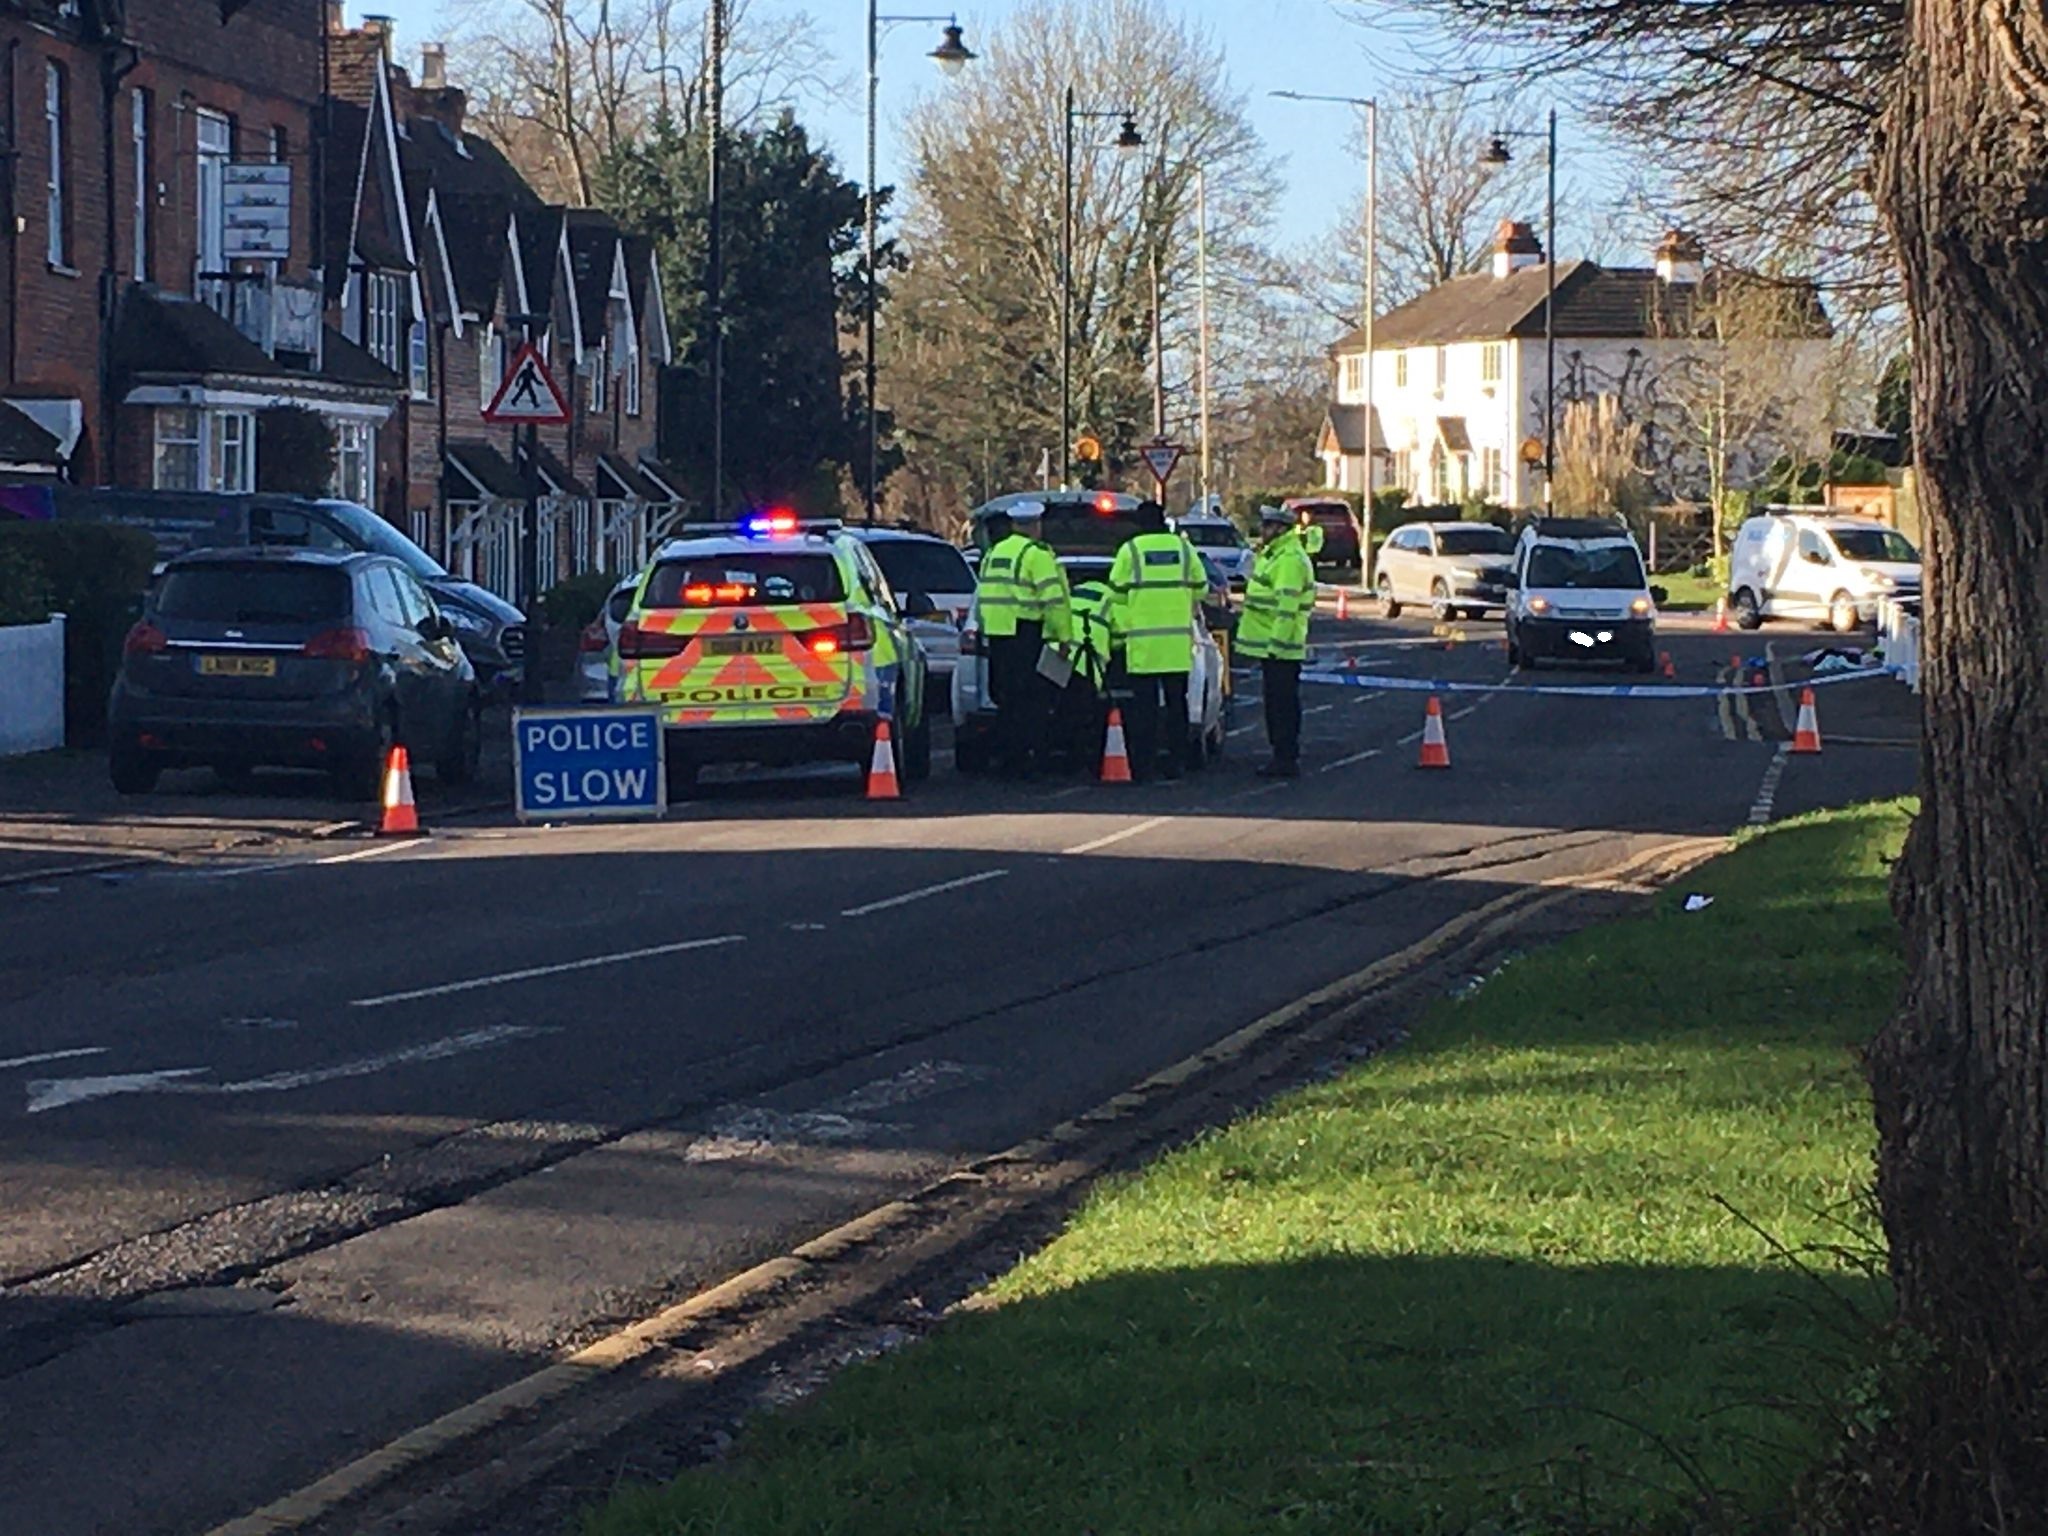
x,y
473,463
1592,303
477,190
166,335
558,474
23,441
1452,430
666,478
1346,423
627,476
593,243
540,238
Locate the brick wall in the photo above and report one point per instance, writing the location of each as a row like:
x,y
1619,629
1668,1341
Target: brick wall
x,y
261,69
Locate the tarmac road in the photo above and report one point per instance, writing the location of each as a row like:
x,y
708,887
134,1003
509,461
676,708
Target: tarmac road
x,y
297,1154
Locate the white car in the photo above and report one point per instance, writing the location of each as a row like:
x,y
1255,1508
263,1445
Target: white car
x,y
1459,569
1824,570
1578,592
597,651
1219,542
916,561
1085,530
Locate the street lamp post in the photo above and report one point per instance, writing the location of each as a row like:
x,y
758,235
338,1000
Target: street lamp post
x,y
952,55
1371,108
1201,326
1128,140
714,266
1498,153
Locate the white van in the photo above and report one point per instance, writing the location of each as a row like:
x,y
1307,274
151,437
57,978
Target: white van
x,y
1818,568
1578,592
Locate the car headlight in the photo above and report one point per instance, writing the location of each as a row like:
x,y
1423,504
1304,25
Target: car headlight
x,y
1539,605
1877,578
1640,607
1465,573
469,623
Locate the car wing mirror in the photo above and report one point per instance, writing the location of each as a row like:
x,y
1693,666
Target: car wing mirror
x,y
1660,595
1512,580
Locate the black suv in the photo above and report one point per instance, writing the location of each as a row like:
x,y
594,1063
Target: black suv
x,y
292,658
490,630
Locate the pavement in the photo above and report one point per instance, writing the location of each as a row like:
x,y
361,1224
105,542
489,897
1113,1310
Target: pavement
x,y
309,1139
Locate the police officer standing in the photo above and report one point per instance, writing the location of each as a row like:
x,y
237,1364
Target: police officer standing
x,y
1158,583
1273,630
1023,601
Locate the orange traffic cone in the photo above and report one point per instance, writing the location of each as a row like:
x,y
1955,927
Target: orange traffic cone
x,y
1116,757
1721,615
1436,749
882,766
1670,670
1343,602
1806,736
401,816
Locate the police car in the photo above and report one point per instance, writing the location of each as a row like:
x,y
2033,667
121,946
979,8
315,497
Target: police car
x,y
775,641
1085,530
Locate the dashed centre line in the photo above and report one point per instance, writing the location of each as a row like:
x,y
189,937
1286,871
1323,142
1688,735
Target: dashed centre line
x,y
532,972
1117,837
923,892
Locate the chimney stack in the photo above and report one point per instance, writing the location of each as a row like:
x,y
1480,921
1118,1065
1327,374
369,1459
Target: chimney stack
x,y
1681,259
380,27
1515,246
337,17
433,66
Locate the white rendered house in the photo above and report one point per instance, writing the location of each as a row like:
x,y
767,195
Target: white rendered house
x,y
1458,373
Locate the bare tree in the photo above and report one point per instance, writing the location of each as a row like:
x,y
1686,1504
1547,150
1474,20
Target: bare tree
x,y
562,85
1599,460
1929,113
974,339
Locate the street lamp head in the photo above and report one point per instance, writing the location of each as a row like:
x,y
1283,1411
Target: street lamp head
x,y
952,55
1128,140
1497,152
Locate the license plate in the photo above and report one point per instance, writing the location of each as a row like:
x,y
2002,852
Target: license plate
x,y
743,645
238,666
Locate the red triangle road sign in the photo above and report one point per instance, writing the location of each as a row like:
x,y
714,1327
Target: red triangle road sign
x,y
1160,459
528,394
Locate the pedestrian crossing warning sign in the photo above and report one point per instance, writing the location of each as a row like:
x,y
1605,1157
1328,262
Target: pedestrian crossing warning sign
x,y
527,395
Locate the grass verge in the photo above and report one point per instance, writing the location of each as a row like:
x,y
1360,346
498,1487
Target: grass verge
x,y
1687,593
1504,1279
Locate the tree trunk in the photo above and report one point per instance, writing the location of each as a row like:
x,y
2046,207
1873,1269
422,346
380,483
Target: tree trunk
x,y
1960,1075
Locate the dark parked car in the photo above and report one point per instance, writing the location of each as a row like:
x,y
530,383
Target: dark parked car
x,y
291,658
491,631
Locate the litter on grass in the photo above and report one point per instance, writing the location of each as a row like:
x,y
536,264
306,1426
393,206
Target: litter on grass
x,y
1698,903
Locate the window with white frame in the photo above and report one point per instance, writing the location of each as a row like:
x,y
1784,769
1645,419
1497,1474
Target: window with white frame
x,y
1354,375
1443,367
178,446
1400,370
1440,476
1490,362
232,450
1404,470
139,187
355,461
420,526
633,366
1490,481
600,371
57,129
380,318
419,369
214,142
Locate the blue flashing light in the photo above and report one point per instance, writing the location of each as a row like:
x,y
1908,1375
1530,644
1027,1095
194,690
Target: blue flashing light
x,y
773,525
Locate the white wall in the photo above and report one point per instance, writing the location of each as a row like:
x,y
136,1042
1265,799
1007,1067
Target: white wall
x,y
32,687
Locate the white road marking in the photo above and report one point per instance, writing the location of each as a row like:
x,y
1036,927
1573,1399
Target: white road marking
x,y
919,895
1117,837
1354,758
748,1129
1367,698
375,851
1320,709
29,1061
1765,805
531,972
1244,728
56,1093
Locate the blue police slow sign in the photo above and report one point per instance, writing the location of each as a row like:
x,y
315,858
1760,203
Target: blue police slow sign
x,y
587,762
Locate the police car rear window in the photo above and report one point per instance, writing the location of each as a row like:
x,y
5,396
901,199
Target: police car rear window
x,y
747,580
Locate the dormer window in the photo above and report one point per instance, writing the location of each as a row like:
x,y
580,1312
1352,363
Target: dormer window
x,y
380,318
633,385
599,370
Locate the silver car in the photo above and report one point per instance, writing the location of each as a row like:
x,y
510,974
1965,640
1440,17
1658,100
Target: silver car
x,y
1459,569
1219,542
597,653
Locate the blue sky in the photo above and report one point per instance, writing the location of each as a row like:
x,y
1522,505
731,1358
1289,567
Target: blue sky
x,y
1305,45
